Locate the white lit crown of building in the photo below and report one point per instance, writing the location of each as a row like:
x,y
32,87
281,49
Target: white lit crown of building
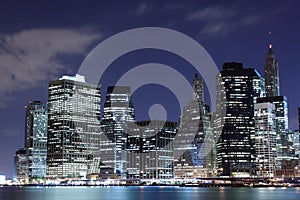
x,y
77,77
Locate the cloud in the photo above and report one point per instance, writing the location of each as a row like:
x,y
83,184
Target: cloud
x,y
221,20
30,57
211,13
142,9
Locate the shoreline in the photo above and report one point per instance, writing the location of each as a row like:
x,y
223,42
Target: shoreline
x,y
286,185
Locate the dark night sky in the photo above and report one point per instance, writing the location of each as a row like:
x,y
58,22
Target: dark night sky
x,y
41,41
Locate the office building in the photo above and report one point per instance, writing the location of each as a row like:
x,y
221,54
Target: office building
x,y
265,139
73,149
20,166
234,125
118,111
150,149
297,144
36,122
194,141
281,111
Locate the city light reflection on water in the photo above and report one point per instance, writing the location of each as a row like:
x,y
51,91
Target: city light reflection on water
x,y
145,193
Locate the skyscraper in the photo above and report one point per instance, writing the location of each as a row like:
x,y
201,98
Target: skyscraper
x,y
117,113
265,139
284,147
281,111
150,149
192,148
73,128
236,95
271,74
36,123
20,166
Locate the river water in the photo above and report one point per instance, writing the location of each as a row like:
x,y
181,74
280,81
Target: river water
x,y
146,193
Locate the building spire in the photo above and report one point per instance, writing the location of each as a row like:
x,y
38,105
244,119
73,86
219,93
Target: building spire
x,y
271,72
270,41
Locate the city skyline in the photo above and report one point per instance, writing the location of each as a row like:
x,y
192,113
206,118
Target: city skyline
x,y
76,146
217,32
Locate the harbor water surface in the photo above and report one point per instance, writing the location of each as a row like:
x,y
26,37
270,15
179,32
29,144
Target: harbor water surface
x,y
146,193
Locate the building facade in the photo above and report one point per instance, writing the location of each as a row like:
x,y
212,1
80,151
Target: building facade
x,y
20,166
281,111
118,111
265,139
73,149
193,147
235,128
36,124
150,149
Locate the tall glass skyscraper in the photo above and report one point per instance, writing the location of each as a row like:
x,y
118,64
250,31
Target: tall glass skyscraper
x,y
236,94
36,123
273,96
117,113
73,128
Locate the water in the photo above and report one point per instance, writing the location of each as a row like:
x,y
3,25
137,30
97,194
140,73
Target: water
x,y
146,193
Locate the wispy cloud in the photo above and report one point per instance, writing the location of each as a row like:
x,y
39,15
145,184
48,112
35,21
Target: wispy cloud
x,y
142,9
31,56
220,20
211,13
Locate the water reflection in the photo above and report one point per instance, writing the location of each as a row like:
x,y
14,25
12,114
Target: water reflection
x,y
145,193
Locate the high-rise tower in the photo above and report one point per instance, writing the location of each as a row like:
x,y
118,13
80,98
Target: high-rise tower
x,y
273,96
73,128
36,122
265,138
235,103
117,113
271,74
191,151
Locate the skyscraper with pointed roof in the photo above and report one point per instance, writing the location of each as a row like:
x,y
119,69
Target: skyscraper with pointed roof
x,y
271,74
281,106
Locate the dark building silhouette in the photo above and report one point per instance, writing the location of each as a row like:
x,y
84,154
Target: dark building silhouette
x,y
237,90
